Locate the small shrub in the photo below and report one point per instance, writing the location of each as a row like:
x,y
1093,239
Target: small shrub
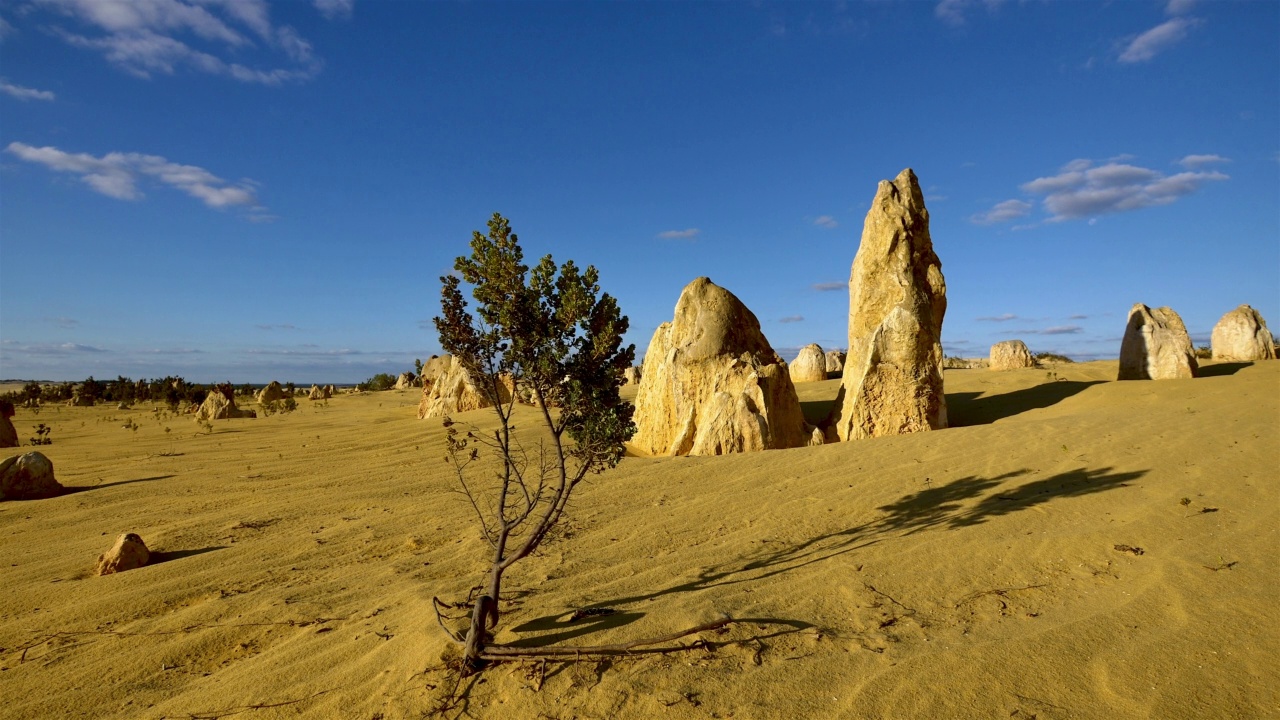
x,y
1051,357
1204,352
42,435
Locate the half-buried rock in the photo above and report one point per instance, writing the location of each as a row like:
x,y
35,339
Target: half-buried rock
x,y
454,390
1156,346
892,380
128,553
271,393
1011,355
810,365
1242,334
27,477
712,385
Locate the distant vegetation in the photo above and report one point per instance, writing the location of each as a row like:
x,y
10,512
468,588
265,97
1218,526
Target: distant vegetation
x,y
170,390
381,381
1051,357
1204,352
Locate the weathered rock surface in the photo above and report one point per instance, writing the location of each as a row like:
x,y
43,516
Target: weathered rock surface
x,y
79,400
271,393
809,366
1010,355
8,433
835,361
320,393
27,477
1156,346
632,375
711,384
128,553
406,380
1242,335
220,404
892,381
433,367
455,391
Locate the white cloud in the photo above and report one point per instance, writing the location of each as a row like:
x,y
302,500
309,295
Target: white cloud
x,y
25,93
689,234
335,9
1003,212
952,12
826,221
999,318
830,286
791,319
117,175
1192,162
1082,191
1179,7
1158,39
144,37
11,346
5,29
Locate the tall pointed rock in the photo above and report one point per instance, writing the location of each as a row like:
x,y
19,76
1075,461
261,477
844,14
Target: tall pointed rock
x,y
892,380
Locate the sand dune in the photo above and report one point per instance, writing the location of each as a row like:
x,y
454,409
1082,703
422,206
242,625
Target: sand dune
x,y
979,571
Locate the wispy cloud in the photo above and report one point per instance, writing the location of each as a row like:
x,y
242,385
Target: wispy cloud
x,y
826,221
1055,330
335,9
689,234
1179,7
279,326
1158,39
117,175
144,37
830,286
1195,162
1078,317
791,319
998,318
25,93
953,12
63,322
11,346
1003,212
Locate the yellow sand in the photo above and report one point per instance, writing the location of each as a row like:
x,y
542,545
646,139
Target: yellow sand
x,y
971,572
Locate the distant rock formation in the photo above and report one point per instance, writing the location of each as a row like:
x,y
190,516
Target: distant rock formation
x,y
959,363
27,477
1156,346
1011,355
406,380
809,366
631,375
8,433
835,361
712,385
271,393
220,404
1242,335
892,380
329,391
79,399
128,553
320,393
454,391
433,367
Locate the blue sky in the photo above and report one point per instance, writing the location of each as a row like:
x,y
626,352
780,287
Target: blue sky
x,y
246,190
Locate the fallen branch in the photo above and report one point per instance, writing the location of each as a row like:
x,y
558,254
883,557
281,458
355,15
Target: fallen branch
x,y
1002,592
502,652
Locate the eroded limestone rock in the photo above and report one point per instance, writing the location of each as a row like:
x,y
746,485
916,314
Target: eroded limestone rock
x,y
1242,335
809,366
1156,346
1010,355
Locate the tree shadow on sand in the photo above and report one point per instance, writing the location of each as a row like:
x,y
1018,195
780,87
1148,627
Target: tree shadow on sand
x,y
968,408
963,502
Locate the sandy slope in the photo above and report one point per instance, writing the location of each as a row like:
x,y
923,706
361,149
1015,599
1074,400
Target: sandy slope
x,y
971,572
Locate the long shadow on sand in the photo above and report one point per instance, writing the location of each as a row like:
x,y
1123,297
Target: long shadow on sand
x,y
963,502
163,556
73,489
968,409
1222,369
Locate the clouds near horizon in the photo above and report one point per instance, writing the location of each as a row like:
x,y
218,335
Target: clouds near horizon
x,y
25,93
117,175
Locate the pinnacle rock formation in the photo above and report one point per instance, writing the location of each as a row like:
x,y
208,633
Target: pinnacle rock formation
x,y
433,367
809,366
1156,346
1242,334
1010,355
406,380
128,553
8,433
271,393
712,385
454,391
220,404
835,361
320,393
631,376
27,477
892,381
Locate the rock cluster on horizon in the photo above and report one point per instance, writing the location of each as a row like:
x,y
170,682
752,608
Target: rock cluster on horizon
x,y
220,404
406,380
271,393
320,393
892,381
128,553
835,361
453,391
809,366
711,384
1010,355
1242,335
28,477
1156,346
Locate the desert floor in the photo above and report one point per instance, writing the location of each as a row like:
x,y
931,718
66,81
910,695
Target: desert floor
x,y
1073,548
